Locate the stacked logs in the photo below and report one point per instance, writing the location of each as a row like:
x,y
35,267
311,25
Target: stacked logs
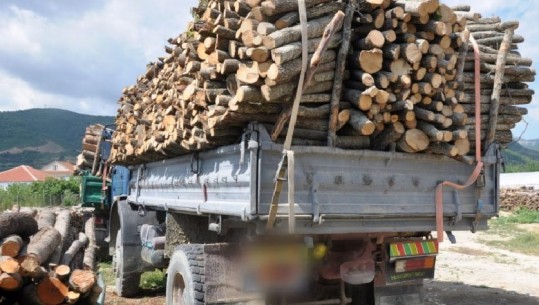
x,y
88,159
397,60
489,32
239,63
46,259
513,199
403,67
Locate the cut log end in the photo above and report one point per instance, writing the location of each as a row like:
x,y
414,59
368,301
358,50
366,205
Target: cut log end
x,y
51,291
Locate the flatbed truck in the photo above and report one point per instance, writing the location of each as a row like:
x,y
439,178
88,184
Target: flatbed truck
x,y
358,232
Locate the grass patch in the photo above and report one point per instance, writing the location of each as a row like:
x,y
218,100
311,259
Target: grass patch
x,y
106,271
514,238
520,216
152,280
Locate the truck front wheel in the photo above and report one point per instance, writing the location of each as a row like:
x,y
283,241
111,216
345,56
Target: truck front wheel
x,y
127,281
185,276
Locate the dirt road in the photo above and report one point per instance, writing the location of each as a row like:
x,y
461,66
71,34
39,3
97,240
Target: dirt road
x,y
472,272
468,273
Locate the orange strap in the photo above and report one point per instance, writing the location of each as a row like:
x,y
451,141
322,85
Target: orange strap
x,y
477,171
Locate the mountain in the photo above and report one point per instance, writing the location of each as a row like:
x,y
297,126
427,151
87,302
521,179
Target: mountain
x,y
531,144
38,136
522,156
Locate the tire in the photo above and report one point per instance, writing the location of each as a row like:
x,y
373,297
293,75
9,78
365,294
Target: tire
x,y
127,281
185,276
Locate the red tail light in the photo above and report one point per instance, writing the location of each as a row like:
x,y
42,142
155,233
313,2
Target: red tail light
x,y
99,220
414,264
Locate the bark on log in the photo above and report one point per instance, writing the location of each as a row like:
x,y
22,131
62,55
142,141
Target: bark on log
x,y
292,34
289,70
40,248
390,135
274,7
361,123
62,225
89,252
75,247
353,142
292,18
292,51
495,103
17,223
45,218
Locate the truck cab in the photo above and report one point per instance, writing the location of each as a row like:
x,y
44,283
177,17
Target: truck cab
x,y
98,191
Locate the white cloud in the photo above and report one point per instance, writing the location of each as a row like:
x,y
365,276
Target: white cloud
x,y
84,58
18,94
15,36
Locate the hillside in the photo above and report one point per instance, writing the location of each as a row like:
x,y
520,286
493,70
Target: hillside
x,y
522,156
531,144
38,136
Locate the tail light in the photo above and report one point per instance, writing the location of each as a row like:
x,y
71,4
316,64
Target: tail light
x,y
99,221
414,264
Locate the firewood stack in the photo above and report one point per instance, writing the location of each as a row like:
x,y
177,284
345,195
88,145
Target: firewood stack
x,y
88,159
489,33
513,199
241,60
43,259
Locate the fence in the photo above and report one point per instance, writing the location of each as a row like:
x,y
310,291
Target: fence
x,y
37,200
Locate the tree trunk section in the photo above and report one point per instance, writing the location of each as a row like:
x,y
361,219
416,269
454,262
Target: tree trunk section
x,y
89,252
17,223
11,245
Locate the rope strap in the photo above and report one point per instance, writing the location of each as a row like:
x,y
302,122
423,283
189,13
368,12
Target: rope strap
x,y
479,166
287,164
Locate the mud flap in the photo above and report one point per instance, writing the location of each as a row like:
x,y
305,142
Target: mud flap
x,y
399,295
223,276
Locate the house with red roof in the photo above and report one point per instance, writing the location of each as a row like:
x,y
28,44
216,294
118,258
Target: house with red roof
x,y
59,169
21,174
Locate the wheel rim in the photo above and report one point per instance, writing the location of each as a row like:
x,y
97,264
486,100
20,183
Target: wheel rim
x,y
178,287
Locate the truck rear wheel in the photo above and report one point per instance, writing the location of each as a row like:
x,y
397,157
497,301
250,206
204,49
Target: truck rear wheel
x,y
127,281
185,276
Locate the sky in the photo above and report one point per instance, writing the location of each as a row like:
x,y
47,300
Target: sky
x,y
78,55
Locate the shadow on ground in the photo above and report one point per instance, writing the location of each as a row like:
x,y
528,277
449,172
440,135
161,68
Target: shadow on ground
x,y
436,293
453,293
145,297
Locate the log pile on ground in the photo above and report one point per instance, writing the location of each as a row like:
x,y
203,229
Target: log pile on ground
x,y
42,258
393,74
89,158
515,198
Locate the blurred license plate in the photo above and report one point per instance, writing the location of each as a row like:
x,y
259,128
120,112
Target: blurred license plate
x,y
275,267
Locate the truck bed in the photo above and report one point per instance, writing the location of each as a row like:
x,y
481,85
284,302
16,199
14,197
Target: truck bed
x,y
336,190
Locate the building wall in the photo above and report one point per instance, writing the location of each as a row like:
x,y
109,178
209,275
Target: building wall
x,y
55,166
